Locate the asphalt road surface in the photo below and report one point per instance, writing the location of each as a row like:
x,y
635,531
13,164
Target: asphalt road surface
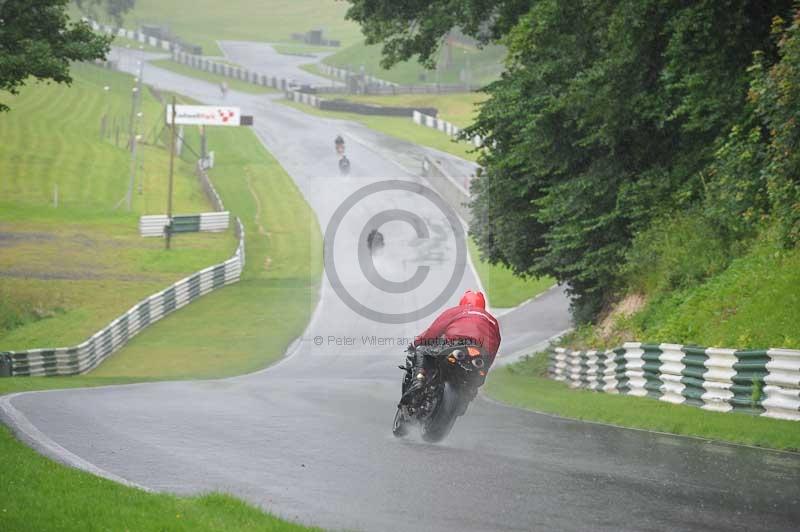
x,y
309,438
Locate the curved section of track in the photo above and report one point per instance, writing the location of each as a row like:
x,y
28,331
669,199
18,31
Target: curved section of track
x,y
309,438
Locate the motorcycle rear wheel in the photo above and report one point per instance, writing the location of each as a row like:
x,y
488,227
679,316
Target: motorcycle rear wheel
x,y
440,423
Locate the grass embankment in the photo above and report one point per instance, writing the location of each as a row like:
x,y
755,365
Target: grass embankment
x,y
233,84
480,66
752,303
43,495
526,385
68,271
204,22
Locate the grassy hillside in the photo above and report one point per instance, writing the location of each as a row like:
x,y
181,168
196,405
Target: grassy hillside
x,y
68,271
205,21
52,137
755,303
481,66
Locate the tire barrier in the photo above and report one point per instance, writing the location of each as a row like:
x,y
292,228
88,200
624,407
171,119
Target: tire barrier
x,y
444,126
229,71
344,106
762,382
156,224
88,355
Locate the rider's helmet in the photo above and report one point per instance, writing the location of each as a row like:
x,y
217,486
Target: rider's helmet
x,y
475,299
339,139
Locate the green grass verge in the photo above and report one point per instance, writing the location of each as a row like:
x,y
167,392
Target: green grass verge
x,y
525,385
44,495
233,84
205,21
505,289
484,65
400,127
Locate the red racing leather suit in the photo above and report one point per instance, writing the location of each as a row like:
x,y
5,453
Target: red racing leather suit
x,y
464,322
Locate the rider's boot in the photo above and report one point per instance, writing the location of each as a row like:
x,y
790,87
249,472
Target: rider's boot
x,y
418,378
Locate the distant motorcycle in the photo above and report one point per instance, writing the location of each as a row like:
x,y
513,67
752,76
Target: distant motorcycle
x,y
375,240
452,379
344,162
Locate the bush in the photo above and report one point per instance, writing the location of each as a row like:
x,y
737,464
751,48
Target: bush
x,y
675,252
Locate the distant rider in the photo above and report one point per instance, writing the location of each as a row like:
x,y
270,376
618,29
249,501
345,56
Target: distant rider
x,y
469,322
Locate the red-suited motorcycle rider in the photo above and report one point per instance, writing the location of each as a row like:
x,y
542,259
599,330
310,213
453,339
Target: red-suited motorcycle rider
x,y
446,365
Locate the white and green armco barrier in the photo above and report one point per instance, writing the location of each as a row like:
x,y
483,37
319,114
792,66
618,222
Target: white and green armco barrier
x,y
762,382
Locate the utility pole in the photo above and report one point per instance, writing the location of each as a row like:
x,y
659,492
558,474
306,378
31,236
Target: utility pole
x,y
171,170
203,145
136,99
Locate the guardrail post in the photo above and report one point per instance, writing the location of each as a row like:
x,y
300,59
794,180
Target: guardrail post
x,y
5,364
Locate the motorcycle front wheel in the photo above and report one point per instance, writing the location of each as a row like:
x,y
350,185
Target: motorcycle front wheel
x,y
400,425
441,421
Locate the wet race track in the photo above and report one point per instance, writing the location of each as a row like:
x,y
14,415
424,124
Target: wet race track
x,y
309,438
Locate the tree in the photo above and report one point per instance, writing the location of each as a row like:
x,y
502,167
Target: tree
x,y
605,118
115,9
417,27
37,40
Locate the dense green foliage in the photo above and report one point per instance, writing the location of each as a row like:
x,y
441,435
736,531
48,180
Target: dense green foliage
x,y
417,27
36,39
616,117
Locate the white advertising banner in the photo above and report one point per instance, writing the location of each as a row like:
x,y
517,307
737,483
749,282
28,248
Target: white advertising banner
x,y
204,115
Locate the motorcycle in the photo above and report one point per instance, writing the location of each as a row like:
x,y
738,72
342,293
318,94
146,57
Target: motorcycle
x,y
453,375
344,165
374,240
344,162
